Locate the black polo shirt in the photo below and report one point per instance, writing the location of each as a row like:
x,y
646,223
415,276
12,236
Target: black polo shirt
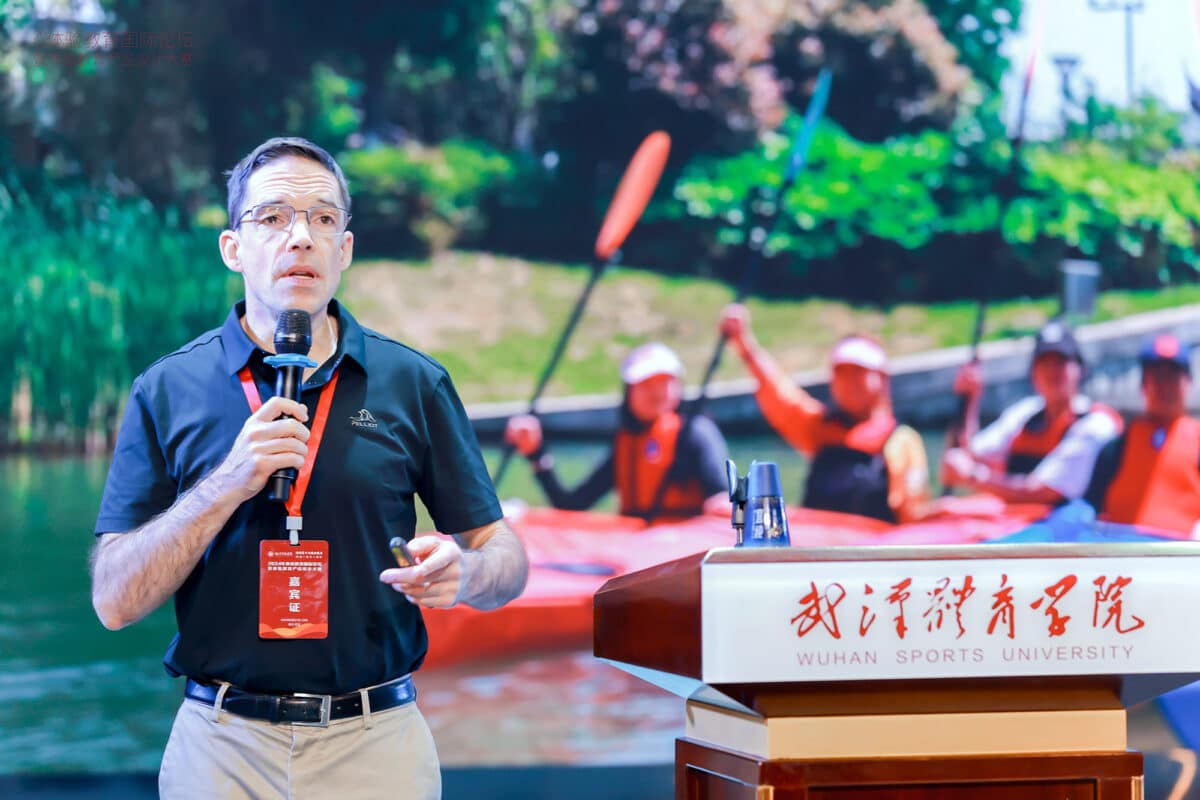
x,y
396,428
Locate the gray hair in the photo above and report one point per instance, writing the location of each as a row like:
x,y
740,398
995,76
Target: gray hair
x,y
271,150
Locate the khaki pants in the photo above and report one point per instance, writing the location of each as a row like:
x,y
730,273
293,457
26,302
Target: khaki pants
x,y
390,756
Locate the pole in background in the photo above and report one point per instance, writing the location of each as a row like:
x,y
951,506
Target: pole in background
x,y
1066,64
1130,7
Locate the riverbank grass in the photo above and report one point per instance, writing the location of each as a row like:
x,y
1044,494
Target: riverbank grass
x,y
493,321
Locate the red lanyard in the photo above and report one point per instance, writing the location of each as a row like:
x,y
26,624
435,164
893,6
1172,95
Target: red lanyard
x,y
296,499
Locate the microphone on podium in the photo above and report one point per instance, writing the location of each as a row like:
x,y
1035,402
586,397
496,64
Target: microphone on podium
x,y
758,514
293,339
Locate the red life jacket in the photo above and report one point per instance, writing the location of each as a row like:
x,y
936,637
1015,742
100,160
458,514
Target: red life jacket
x,y
1157,486
848,471
641,461
1038,439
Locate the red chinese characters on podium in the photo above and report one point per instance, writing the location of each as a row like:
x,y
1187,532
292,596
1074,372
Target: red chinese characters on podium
x,y
1056,592
1002,609
1110,596
820,608
949,597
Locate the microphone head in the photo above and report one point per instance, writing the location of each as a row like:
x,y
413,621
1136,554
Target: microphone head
x,y
293,332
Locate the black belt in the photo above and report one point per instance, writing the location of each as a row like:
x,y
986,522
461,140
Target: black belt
x,y
299,708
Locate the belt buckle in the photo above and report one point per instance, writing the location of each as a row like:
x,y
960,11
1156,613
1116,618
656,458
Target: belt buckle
x,y
326,705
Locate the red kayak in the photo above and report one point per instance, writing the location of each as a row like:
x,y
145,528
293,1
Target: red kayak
x,y
572,553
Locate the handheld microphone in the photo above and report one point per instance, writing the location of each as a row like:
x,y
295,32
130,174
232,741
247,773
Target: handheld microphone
x,y
293,339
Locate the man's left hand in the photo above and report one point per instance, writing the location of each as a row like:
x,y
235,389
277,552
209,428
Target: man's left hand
x,y
437,579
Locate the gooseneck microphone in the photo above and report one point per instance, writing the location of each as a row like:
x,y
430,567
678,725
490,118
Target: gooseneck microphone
x,y
293,339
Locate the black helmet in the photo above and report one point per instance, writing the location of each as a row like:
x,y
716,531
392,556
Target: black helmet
x,y
1056,337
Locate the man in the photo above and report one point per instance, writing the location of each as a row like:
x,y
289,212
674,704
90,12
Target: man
x,y
863,462
660,464
1151,475
298,653
1042,448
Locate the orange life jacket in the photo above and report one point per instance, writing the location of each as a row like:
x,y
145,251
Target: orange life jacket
x,y
641,461
1158,486
1038,439
848,472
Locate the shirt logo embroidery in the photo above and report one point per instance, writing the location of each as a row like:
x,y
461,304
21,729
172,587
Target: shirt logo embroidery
x,y
364,419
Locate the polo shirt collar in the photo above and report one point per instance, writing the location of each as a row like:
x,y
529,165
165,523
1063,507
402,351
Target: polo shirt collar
x,y
239,346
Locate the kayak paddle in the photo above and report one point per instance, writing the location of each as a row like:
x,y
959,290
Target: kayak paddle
x,y
633,194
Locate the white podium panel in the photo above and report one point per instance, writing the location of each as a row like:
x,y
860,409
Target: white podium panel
x,y
854,614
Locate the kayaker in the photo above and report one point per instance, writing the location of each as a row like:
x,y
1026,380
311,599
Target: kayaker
x,y
1150,475
862,461
647,444
1040,449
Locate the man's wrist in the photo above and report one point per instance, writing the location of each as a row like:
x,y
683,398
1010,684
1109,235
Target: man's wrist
x,y
218,492
466,567
195,519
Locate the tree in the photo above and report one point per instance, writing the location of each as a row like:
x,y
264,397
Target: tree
x,y
977,29
749,60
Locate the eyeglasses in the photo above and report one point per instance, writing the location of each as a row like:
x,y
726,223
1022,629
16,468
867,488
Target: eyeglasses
x,y
277,218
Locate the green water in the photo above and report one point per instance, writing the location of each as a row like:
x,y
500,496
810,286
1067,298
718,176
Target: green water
x,y
75,697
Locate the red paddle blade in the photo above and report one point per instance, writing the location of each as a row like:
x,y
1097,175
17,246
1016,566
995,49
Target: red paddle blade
x,y
633,193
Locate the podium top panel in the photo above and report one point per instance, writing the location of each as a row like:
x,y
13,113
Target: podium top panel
x,y
759,616
939,552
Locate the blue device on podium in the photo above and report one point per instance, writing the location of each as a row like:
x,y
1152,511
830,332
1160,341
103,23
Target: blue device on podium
x,y
759,515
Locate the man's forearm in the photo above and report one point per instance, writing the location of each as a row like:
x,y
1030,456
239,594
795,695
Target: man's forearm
x,y
760,363
136,572
1012,488
597,484
782,397
496,571
970,421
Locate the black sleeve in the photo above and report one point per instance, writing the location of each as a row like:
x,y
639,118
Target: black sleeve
x,y
139,484
586,494
1107,463
708,452
454,483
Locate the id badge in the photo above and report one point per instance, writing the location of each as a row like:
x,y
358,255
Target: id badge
x,y
293,589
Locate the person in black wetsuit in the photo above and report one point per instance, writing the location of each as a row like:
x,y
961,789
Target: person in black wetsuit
x,y
653,445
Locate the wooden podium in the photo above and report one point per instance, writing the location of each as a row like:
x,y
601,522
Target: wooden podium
x,y
935,672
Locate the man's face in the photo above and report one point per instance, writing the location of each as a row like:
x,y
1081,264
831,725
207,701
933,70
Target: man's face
x,y
1165,387
856,389
296,268
653,397
1056,377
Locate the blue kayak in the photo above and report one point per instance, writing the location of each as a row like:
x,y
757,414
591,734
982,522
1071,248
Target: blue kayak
x,y
1076,522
